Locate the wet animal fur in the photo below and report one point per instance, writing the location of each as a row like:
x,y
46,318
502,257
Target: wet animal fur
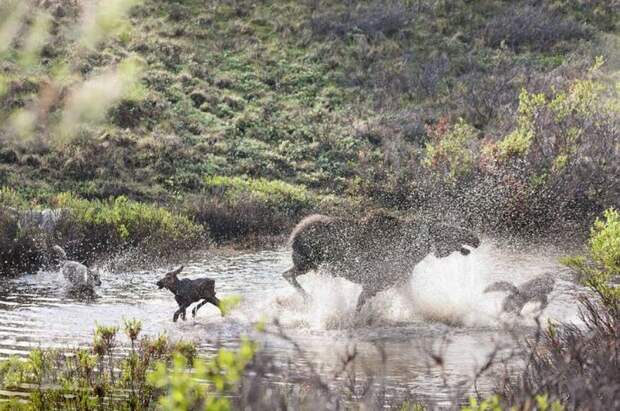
x,y
536,289
186,292
77,274
378,251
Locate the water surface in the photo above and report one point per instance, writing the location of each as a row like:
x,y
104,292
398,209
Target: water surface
x,y
441,312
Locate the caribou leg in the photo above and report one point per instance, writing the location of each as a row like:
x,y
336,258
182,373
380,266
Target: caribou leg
x,y
181,312
197,307
213,300
369,290
216,302
367,293
291,276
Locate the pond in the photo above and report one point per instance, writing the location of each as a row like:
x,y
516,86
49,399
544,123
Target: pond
x,y
442,312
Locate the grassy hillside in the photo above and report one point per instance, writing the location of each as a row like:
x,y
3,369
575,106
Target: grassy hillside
x,y
499,107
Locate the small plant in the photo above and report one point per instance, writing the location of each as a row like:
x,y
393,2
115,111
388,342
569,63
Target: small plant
x,y
229,303
132,329
184,391
450,148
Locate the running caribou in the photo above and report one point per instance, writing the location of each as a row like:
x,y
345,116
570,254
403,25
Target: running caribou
x,y
377,252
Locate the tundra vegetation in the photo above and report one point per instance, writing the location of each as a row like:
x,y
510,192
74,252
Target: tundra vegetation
x,y
161,124
244,117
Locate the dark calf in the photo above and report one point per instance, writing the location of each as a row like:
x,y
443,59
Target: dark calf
x,y
188,291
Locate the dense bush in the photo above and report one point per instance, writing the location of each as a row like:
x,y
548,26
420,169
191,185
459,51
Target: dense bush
x,y
604,14
566,146
450,148
120,221
273,193
577,366
88,228
600,269
19,249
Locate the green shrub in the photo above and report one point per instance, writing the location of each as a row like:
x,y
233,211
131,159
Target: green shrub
x,y
515,144
184,391
92,378
600,268
450,148
87,228
120,222
235,207
493,403
274,193
560,121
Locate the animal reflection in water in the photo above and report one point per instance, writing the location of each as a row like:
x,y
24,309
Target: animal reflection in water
x,y
537,289
377,252
81,280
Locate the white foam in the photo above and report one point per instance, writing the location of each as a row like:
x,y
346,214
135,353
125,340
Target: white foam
x,y
447,290
450,289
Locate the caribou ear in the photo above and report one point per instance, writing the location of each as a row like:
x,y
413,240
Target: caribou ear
x,y
177,271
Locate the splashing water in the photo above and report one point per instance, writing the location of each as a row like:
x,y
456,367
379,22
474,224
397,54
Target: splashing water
x,y
441,294
449,290
446,290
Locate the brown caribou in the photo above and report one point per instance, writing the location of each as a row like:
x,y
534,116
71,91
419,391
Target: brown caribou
x,y
377,252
